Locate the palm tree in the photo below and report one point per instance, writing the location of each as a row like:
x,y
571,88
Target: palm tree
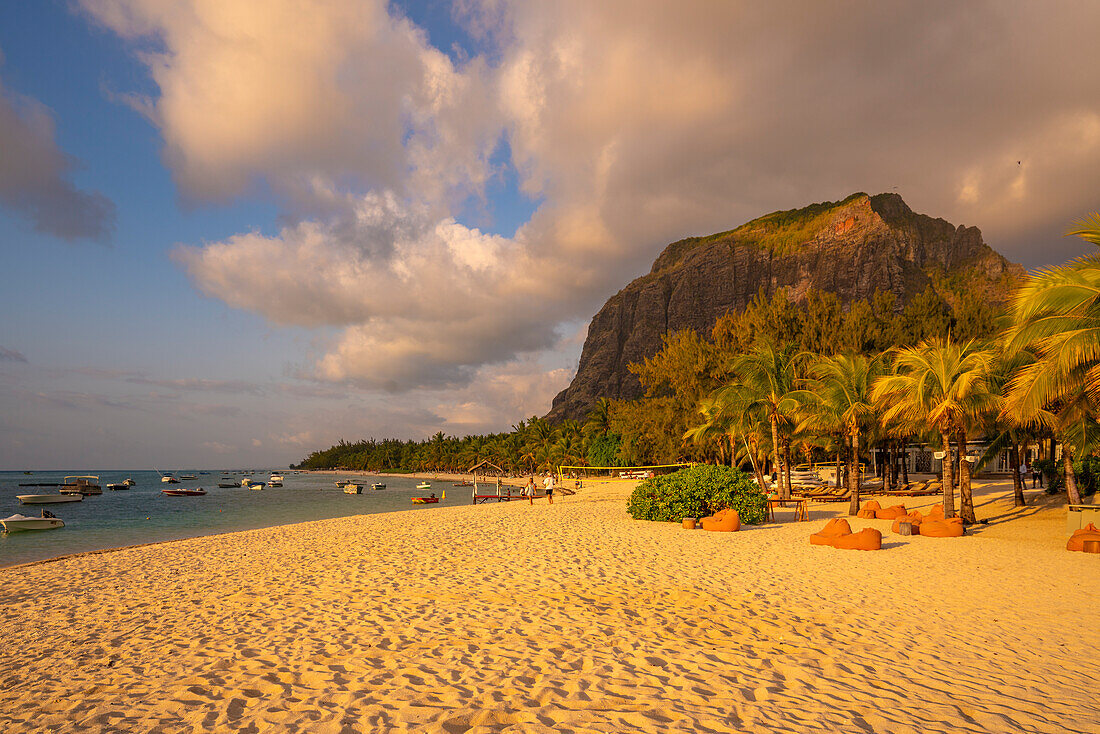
x,y
1057,315
766,378
841,390
940,384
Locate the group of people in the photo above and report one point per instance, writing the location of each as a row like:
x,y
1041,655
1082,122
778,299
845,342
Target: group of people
x,y
1036,475
547,485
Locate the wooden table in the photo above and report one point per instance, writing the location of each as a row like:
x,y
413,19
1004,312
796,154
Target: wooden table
x,y
802,514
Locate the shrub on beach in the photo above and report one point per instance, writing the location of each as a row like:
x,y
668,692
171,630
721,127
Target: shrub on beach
x,y
698,491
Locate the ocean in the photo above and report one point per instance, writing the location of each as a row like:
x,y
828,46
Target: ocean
x,y
143,515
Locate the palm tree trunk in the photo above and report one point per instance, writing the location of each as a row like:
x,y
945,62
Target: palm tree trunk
x,y
905,461
887,480
948,477
775,452
1071,479
853,475
838,472
966,498
1017,480
786,469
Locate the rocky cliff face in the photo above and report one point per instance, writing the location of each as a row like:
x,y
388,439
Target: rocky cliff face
x,y
851,248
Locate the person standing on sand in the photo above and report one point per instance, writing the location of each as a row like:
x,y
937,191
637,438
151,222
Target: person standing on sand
x,y
529,490
550,488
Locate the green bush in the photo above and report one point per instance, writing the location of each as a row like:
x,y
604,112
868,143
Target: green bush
x,y
698,491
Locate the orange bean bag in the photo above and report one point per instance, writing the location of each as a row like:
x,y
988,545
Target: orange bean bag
x,y
891,513
914,518
723,521
936,513
836,528
869,510
866,539
952,528
1077,542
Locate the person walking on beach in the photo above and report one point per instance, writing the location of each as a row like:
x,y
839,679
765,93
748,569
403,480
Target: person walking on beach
x,y
550,487
529,490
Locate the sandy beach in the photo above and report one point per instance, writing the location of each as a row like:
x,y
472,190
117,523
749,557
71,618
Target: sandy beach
x,y
562,618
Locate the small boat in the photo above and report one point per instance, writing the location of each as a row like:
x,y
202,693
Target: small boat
x,y
378,485
21,522
350,488
227,483
275,481
48,499
425,500
118,486
342,482
256,485
168,479
129,482
81,484
187,476
182,492
424,485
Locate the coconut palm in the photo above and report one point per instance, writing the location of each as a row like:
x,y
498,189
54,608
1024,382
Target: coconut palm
x,y
1057,315
941,384
841,398
766,378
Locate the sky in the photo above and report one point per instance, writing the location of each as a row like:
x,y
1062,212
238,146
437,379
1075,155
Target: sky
x,y
235,232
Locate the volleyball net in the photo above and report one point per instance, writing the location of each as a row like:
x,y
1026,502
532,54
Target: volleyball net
x,y
616,473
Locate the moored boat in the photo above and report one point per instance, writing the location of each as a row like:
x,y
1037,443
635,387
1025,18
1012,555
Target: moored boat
x,y
169,479
188,476
184,492
342,482
21,522
84,484
425,500
275,481
129,482
227,483
424,485
378,485
352,488
48,499
256,485
118,486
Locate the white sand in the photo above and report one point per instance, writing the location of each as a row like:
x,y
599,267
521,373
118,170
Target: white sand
x,y
563,618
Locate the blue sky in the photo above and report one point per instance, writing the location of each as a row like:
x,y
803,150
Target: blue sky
x,y
395,219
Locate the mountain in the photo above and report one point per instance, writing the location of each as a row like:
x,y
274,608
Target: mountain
x,y
851,248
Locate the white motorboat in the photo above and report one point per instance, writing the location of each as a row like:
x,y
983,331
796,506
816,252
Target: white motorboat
x,y
275,481
129,482
168,479
48,499
81,484
351,488
256,485
424,485
22,522
117,486
226,483
378,485
188,476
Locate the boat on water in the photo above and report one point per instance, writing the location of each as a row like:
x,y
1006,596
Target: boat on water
x,y
84,484
425,500
184,492
424,485
129,482
351,488
256,485
17,522
187,476
169,479
118,486
378,485
275,481
342,482
48,499
227,483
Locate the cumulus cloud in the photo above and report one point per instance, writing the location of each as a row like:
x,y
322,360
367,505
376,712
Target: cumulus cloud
x,y
632,123
34,175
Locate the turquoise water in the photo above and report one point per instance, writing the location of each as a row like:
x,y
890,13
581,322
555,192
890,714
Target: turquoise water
x,y
143,515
